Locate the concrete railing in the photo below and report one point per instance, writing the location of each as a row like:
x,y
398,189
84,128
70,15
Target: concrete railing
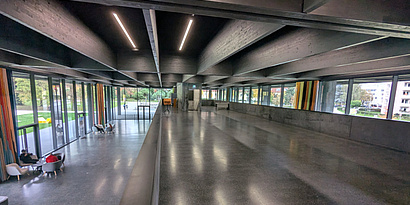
x,y
143,184
380,132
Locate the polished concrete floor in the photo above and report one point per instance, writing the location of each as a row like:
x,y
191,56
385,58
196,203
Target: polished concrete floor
x,y
226,157
96,170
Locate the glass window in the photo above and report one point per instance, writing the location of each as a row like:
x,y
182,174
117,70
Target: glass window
x,y
289,95
58,112
214,94
401,109
88,106
70,110
24,107
247,94
233,94
340,96
205,94
44,114
80,108
368,99
155,95
254,95
114,102
94,94
275,92
240,95
24,104
264,95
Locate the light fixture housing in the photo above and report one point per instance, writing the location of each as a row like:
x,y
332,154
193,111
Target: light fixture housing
x,y
186,33
124,30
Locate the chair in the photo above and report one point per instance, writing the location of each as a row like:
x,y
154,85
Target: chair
x,y
24,164
52,167
13,169
110,129
62,157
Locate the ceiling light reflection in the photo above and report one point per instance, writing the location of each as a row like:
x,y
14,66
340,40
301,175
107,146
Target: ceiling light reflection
x,y
124,30
186,33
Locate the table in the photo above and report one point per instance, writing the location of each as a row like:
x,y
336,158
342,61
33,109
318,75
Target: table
x,y
38,165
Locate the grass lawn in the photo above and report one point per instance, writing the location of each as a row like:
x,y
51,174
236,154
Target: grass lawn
x,y
27,119
369,114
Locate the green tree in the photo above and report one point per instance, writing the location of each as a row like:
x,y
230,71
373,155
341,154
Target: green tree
x,y
361,94
23,91
355,103
275,99
42,93
289,96
341,95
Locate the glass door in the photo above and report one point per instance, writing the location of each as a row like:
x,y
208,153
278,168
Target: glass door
x,y
58,113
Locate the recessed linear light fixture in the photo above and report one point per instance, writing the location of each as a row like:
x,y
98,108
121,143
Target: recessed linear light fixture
x,y
186,33
125,31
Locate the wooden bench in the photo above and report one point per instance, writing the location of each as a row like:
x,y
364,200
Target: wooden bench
x,y
221,105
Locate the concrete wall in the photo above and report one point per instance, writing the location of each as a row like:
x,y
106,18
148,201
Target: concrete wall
x,y
386,133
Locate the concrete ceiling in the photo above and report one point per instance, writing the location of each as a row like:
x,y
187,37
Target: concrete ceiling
x,y
247,42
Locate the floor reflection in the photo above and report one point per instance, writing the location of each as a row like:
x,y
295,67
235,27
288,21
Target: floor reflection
x,y
224,157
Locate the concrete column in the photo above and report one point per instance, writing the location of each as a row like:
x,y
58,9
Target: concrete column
x,y
327,96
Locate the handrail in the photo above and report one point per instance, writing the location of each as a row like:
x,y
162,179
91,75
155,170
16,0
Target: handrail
x,y
27,126
142,186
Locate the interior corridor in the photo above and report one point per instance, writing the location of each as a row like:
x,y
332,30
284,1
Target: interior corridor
x,y
96,170
224,157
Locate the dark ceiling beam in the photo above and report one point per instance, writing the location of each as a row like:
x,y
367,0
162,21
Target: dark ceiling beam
x,y
18,39
119,76
266,14
103,74
209,79
81,62
372,66
139,61
311,5
381,49
195,79
68,72
396,12
147,77
38,63
224,68
50,38
232,80
178,64
234,37
51,19
168,84
186,77
258,73
151,23
171,78
9,58
365,74
296,44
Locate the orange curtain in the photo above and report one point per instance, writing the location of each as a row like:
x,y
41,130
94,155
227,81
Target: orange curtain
x,y
100,104
306,95
8,147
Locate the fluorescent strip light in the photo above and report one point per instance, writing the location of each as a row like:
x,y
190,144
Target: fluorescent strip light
x,y
186,33
123,29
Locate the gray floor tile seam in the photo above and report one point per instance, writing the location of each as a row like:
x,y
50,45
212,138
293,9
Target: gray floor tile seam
x,y
354,159
307,184
340,183
400,179
316,163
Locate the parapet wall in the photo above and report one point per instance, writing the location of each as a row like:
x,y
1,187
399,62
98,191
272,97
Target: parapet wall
x,y
386,133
